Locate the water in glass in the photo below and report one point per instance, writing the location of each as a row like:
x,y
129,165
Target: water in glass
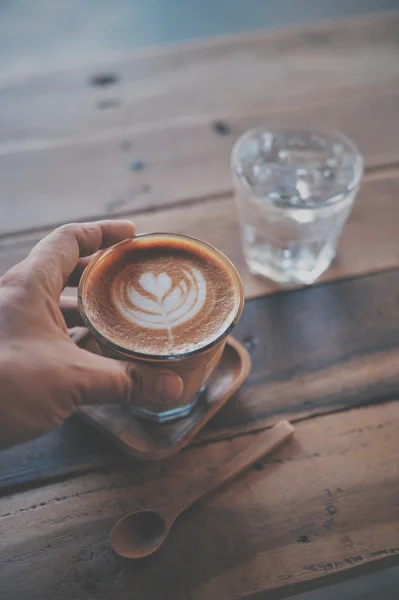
x,y
294,192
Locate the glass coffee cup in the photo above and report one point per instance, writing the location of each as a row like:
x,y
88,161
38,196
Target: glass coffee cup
x,y
167,300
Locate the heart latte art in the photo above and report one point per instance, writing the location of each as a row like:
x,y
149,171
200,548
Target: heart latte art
x,y
161,301
160,295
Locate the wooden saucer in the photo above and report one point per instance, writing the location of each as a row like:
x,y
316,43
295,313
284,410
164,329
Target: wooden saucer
x,y
151,441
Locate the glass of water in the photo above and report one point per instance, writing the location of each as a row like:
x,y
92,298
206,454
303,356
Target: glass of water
x,y
294,192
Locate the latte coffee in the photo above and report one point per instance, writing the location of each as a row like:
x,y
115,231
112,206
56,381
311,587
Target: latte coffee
x,y
167,299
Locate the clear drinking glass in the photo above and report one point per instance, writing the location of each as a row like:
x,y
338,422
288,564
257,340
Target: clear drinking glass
x,y
294,192
193,367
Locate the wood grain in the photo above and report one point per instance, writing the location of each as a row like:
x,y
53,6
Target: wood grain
x,y
370,242
326,503
62,159
314,351
205,78
60,182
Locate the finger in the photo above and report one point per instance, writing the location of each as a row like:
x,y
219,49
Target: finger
x,y
70,311
108,381
54,258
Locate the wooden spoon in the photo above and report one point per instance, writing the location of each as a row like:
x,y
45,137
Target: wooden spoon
x,y
142,532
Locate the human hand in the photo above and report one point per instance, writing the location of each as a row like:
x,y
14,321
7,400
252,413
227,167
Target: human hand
x,y
44,375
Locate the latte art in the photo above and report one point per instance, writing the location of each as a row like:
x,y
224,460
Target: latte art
x,y
159,301
161,295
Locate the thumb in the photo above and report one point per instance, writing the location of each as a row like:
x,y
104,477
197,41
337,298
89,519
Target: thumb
x,y
109,381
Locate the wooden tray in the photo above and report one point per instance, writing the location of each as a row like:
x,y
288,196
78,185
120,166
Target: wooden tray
x,y
152,441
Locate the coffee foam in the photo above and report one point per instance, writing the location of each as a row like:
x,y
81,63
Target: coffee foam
x,y
161,296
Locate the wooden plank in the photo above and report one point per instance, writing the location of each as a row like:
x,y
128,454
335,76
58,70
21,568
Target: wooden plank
x,y
63,159
369,244
73,448
66,181
326,503
314,351
203,78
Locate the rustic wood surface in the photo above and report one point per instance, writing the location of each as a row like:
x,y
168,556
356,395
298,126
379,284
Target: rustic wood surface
x,y
324,504
173,163
154,146
370,242
75,150
314,351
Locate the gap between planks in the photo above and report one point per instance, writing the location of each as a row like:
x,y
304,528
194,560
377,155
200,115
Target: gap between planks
x,y
308,510
203,439
166,120
369,243
371,173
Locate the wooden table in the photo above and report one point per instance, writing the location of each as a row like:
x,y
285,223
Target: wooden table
x,y
150,137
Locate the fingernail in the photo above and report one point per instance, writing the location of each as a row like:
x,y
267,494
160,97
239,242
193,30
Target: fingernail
x,y
169,386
